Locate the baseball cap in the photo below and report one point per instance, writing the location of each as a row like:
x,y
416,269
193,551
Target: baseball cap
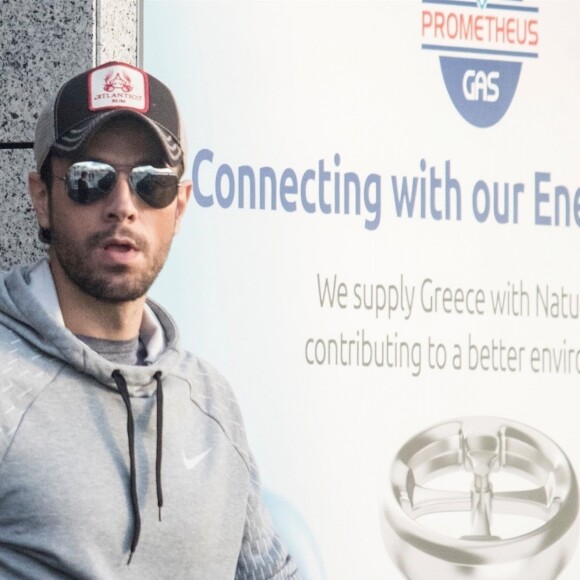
x,y
91,98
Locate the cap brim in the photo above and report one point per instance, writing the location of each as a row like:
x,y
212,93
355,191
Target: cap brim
x,y
76,138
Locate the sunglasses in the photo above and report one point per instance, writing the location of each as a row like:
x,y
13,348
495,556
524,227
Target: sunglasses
x,y
90,181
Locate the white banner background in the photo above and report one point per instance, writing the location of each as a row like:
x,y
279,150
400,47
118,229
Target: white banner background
x,y
285,85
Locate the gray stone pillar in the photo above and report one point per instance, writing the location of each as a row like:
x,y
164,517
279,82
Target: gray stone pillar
x,y
42,43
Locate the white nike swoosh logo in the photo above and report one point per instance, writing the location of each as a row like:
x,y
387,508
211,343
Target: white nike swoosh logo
x,y
191,463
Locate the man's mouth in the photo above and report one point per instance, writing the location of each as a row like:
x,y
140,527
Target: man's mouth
x,y
119,246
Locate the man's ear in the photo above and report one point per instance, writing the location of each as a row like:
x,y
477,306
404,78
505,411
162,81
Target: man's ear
x,y
183,195
39,194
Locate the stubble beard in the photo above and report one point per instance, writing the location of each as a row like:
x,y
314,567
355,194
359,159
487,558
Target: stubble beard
x,y
116,284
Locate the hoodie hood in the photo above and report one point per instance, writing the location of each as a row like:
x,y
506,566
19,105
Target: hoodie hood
x,y
29,307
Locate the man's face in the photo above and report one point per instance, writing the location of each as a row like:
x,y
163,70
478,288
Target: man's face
x,y
113,249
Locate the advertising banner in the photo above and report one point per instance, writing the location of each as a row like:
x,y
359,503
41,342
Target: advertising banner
x,y
380,254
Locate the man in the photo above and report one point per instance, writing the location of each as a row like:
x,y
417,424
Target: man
x,y
121,456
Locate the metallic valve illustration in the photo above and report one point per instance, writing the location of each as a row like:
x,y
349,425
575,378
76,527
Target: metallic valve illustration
x,y
484,448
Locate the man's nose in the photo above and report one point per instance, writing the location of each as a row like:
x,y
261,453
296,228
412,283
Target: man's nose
x,y
121,202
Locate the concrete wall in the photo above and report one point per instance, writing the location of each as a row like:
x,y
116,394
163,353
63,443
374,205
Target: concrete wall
x,y
43,43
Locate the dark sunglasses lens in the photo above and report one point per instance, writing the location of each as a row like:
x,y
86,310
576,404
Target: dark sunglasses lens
x,y
156,186
89,181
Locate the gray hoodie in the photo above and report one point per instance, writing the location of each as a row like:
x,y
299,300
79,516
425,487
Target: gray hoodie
x,y
90,449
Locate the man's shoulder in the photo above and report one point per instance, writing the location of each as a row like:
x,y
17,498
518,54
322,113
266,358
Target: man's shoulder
x,y
208,386
20,357
25,372
10,340
212,393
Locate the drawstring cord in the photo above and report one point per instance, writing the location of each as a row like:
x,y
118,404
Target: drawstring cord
x,y
157,377
124,392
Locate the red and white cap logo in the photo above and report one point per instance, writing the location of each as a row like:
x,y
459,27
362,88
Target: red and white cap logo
x,y
118,86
